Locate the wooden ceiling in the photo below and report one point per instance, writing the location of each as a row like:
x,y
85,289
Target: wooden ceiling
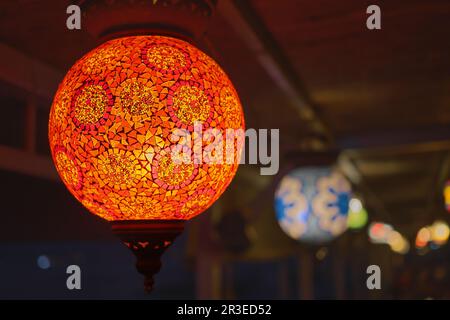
x,y
368,81
384,95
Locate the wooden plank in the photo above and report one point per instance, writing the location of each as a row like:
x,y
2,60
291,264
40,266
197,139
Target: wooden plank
x,y
27,73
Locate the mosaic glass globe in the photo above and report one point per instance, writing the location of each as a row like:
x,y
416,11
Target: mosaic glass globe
x,y
112,124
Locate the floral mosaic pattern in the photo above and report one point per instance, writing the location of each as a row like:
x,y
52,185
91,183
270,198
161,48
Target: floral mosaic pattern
x,y
112,118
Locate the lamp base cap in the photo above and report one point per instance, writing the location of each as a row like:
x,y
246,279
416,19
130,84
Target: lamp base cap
x,y
148,240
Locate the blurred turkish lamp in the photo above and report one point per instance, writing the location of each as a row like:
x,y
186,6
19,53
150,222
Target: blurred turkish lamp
x,y
312,204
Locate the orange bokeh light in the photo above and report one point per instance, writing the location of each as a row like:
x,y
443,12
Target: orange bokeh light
x,y
112,119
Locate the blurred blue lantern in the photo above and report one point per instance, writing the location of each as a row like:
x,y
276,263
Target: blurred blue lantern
x,y
312,204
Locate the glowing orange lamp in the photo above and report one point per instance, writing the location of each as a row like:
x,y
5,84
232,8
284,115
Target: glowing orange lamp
x,y
111,133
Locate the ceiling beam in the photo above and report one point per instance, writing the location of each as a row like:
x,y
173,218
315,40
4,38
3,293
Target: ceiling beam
x,y
251,29
353,173
411,140
380,168
27,73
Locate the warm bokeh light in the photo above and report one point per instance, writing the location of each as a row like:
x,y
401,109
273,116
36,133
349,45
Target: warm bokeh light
x,y
433,236
112,121
379,232
312,204
423,237
398,243
357,215
447,195
440,232
355,205
383,233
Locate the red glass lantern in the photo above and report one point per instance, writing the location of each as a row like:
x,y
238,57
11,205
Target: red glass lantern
x,y
111,133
